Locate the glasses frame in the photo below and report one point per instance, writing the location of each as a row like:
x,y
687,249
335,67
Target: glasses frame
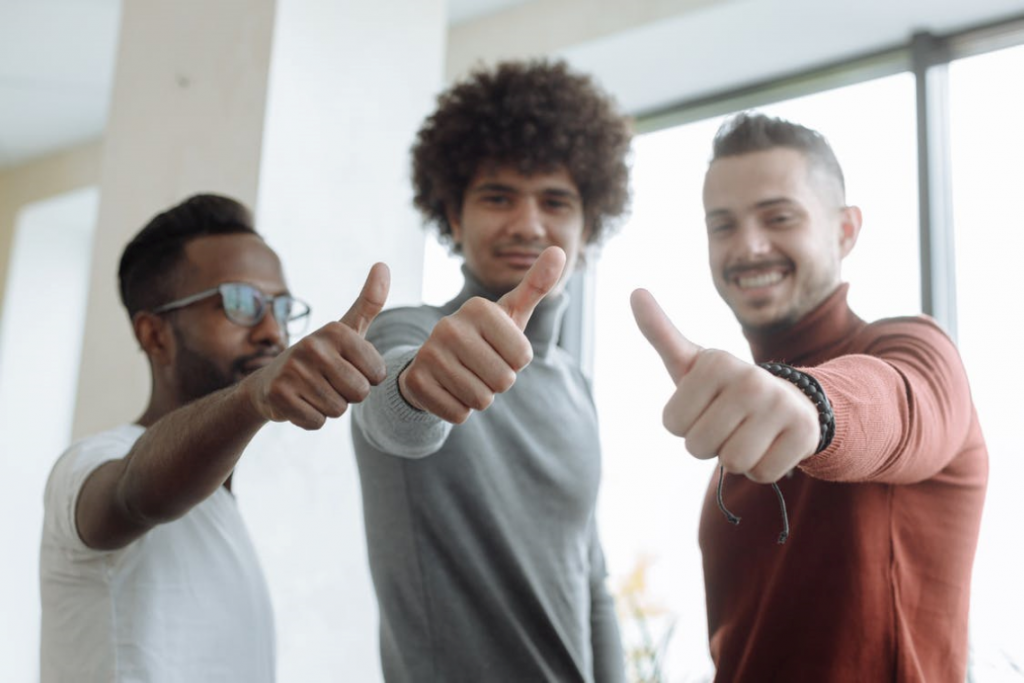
x,y
267,303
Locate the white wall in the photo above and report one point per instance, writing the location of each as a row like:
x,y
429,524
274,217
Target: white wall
x,y
40,342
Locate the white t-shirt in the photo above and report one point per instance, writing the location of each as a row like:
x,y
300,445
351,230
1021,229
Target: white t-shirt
x,y
185,603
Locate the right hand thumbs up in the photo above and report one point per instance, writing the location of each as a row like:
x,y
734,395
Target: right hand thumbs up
x,y
755,423
676,351
370,301
539,280
320,375
475,353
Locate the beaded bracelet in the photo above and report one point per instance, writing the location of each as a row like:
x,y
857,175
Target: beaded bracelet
x,y
826,418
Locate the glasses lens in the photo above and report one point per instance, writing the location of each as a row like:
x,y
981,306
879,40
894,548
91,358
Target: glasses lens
x,y
292,314
243,304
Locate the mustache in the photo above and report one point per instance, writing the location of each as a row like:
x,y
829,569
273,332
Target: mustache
x,y
743,268
534,247
240,364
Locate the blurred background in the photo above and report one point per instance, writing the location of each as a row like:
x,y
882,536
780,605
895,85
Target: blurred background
x,y
305,109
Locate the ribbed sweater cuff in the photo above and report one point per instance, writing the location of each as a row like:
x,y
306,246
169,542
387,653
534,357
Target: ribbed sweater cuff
x,y
397,407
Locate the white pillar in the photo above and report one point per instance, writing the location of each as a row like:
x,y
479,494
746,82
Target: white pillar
x,y
321,153
186,115
350,83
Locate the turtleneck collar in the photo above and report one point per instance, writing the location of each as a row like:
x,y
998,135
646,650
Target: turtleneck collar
x,y
545,323
811,338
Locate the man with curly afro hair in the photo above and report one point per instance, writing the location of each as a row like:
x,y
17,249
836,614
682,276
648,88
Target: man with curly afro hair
x,y
479,454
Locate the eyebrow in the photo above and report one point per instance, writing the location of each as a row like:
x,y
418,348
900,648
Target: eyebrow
x,y
764,204
501,187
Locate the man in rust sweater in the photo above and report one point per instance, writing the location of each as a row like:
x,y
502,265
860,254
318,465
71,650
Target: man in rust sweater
x,y
867,432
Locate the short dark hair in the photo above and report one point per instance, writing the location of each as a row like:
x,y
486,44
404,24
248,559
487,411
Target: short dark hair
x,y
147,271
754,132
535,116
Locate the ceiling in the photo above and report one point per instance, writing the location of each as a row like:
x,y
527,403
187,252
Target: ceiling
x,y
57,65
57,56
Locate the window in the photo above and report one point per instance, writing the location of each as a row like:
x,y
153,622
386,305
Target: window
x,y
987,145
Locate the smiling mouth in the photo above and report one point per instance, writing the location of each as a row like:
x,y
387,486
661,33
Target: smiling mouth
x,y
759,280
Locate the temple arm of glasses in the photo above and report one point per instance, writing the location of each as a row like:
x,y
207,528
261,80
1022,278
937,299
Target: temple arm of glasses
x,y
181,303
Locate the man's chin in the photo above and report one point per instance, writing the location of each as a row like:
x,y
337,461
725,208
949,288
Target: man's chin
x,y
766,323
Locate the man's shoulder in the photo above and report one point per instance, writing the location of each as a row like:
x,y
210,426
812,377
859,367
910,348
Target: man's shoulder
x,y
919,335
109,439
89,452
918,326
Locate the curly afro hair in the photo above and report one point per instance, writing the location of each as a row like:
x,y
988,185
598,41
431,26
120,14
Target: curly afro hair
x,y
535,116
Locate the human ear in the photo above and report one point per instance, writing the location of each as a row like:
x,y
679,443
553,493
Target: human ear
x,y
455,223
850,222
155,336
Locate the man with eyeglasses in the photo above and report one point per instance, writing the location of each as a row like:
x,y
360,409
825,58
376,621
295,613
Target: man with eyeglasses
x,y
147,571
866,431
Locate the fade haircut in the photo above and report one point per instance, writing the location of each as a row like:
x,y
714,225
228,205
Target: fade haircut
x,y
534,116
753,132
149,271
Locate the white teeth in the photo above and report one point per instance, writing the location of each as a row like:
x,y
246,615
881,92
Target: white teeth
x,y
762,280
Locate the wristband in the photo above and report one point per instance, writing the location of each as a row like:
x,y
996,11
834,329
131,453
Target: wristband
x,y
812,390
826,419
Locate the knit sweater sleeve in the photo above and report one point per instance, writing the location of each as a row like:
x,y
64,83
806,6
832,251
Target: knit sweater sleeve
x,y
902,405
386,420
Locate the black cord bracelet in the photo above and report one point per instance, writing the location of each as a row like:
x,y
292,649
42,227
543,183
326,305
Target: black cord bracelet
x,y
826,418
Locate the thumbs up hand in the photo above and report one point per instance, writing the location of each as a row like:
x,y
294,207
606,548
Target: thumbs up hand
x,y
755,423
323,373
475,353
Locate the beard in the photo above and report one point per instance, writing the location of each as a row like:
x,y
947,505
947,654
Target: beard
x,y
199,376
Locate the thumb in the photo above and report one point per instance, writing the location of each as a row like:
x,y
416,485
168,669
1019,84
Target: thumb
x,y
539,280
676,351
371,300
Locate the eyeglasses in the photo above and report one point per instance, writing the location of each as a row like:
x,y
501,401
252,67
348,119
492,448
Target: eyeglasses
x,y
245,305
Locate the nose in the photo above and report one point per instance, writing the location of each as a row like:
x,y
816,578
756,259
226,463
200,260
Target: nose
x,y
754,240
528,221
269,331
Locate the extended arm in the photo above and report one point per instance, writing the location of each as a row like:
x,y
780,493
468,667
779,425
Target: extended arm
x,y
179,462
903,408
187,454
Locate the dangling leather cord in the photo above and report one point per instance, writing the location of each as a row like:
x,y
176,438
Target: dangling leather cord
x,y
826,419
733,519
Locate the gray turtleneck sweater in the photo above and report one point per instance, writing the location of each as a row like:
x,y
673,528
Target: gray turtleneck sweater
x,y
482,540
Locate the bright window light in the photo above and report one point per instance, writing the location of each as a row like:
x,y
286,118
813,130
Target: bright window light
x,y
987,149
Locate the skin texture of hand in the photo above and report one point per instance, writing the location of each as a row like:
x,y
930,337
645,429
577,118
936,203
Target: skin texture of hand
x,y
755,423
318,377
475,353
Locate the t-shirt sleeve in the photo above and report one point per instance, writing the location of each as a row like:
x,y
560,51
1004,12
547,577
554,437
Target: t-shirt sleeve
x,y
903,406
385,418
66,480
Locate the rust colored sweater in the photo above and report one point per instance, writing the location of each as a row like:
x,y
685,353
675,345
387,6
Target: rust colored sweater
x,y
874,582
